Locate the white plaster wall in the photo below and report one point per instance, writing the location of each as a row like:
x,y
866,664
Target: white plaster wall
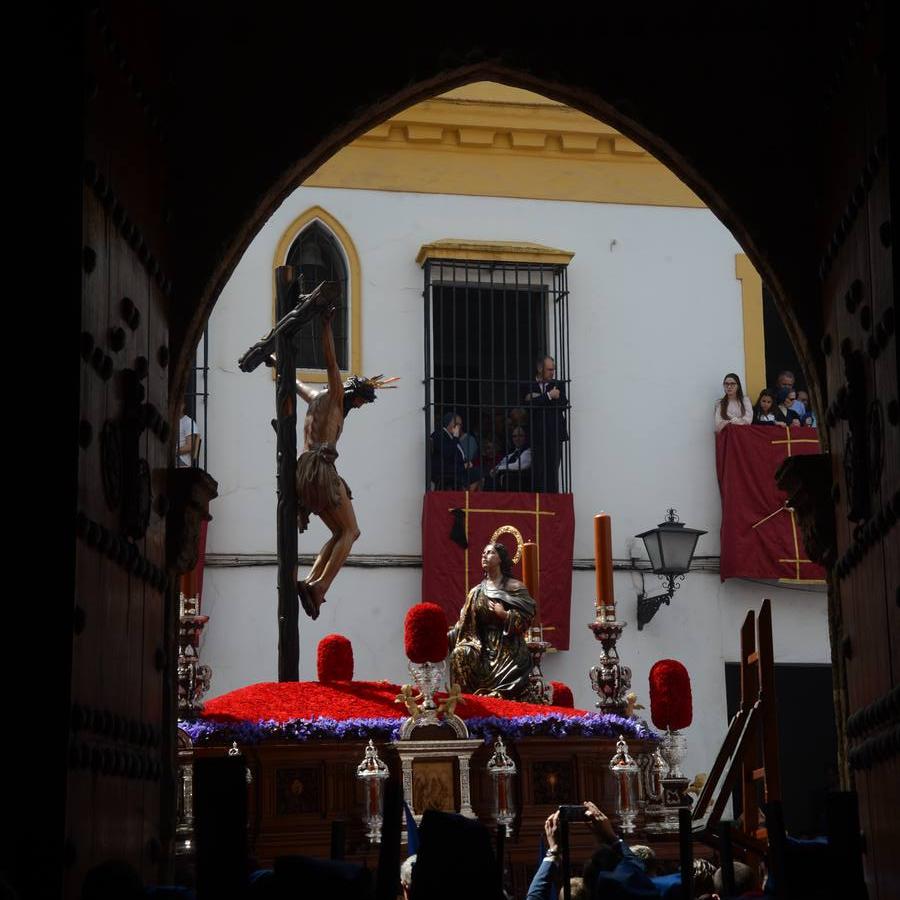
x,y
655,323
655,316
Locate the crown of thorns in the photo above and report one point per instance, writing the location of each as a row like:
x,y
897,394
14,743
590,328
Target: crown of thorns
x,y
366,387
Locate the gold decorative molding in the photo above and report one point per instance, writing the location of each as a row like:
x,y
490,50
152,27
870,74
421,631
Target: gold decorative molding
x,y
354,285
754,332
491,140
497,251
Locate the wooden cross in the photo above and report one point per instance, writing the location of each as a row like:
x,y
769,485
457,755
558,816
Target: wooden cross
x,y
293,310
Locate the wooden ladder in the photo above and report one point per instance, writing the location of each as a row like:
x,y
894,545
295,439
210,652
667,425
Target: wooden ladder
x,y
750,748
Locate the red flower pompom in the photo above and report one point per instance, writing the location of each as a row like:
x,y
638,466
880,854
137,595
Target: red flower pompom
x,y
334,658
425,633
670,695
562,695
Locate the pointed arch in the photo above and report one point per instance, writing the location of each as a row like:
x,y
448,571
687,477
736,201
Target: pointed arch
x,y
321,216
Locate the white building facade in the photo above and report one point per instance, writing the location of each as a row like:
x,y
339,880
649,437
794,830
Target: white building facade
x,y
658,312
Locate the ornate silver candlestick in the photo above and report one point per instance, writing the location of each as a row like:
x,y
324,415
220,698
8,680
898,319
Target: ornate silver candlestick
x,y
502,769
372,773
674,782
625,771
609,678
193,677
538,691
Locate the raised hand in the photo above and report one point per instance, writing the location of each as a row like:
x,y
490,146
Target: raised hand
x,y
551,829
599,822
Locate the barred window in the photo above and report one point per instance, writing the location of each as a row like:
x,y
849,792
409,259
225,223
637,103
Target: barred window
x,y
319,257
487,327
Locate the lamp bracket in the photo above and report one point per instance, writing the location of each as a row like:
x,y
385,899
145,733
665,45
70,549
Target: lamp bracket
x,y
647,606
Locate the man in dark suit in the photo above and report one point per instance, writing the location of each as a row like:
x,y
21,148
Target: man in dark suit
x,y
450,471
546,401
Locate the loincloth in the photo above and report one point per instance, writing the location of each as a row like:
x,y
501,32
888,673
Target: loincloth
x,y
318,483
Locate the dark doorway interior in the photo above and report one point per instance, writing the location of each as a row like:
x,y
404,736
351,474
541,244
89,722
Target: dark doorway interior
x,y
780,353
806,738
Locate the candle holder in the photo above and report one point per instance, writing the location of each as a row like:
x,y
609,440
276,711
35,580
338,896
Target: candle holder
x,y
193,677
624,771
501,769
674,782
537,691
428,676
609,678
372,773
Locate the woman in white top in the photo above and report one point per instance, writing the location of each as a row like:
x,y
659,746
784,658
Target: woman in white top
x,y
734,408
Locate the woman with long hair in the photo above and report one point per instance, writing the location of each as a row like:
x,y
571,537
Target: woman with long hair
x,y
734,408
487,645
766,411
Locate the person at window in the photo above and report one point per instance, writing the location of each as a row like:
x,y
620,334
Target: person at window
x,y
469,444
488,654
733,408
809,416
490,456
786,399
513,472
188,439
766,411
786,379
545,399
450,471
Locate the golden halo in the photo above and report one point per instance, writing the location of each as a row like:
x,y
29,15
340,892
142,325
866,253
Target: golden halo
x,y
510,529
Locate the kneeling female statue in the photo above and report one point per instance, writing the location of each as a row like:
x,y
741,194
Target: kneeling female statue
x,y
487,645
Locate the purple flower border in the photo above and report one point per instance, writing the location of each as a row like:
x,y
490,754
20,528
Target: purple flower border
x,y
203,731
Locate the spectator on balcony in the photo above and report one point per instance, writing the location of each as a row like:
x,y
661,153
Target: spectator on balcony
x,y
469,444
188,439
490,455
449,469
545,398
786,379
766,411
734,408
809,417
513,472
786,399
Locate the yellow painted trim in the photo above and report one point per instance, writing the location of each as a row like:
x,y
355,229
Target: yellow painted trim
x,y
313,214
493,141
497,251
754,333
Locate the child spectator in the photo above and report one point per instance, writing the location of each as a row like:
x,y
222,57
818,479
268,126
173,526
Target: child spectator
x,y
734,408
766,411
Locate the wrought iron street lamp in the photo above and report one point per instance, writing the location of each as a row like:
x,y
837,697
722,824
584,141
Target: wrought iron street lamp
x,y
670,547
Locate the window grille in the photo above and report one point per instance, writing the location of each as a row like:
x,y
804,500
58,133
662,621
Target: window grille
x,y
486,323
196,398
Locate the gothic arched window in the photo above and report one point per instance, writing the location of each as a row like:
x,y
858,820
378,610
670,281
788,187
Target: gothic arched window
x,y
319,257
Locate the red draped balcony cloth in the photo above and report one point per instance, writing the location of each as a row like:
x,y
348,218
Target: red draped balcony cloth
x,y
449,570
760,537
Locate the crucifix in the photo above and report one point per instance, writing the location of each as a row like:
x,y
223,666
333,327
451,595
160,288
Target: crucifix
x,y
293,310
308,484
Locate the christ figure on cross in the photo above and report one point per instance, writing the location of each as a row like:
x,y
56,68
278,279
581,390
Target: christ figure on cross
x,y
320,490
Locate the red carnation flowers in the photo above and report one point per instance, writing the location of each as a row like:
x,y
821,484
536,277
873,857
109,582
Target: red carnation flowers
x,y
562,695
425,633
334,658
670,695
